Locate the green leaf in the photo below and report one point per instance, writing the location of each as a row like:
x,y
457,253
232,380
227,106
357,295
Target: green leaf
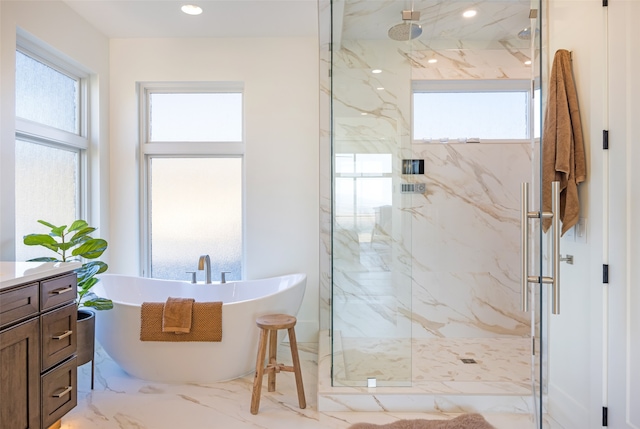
x,y
39,239
65,246
98,303
44,240
47,224
78,224
87,270
86,284
82,233
58,231
91,249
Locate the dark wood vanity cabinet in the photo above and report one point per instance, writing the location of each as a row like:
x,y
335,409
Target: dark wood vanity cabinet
x,y
38,376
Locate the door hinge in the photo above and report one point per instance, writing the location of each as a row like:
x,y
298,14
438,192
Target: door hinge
x,y
605,416
605,273
605,139
605,3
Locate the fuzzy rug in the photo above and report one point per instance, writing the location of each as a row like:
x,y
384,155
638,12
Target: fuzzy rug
x,y
465,421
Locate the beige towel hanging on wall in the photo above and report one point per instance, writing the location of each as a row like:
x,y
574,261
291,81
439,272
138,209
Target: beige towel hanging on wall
x,y
563,155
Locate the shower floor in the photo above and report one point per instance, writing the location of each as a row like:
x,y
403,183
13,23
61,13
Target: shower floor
x,y
426,374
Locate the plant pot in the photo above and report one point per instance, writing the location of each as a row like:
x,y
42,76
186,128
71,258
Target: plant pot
x,y
86,336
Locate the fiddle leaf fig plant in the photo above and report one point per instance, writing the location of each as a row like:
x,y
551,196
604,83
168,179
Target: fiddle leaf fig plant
x,y
75,243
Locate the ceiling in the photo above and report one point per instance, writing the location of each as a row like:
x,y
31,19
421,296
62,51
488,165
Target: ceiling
x,y
441,20
220,18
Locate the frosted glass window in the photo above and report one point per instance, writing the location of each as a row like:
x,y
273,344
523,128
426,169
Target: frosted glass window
x,y
45,95
46,188
456,115
196,209
195,117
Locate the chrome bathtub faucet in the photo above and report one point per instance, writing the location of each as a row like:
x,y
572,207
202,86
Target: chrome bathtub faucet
x,y
204,263
223,278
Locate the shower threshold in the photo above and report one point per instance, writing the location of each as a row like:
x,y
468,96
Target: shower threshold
x,y
492,385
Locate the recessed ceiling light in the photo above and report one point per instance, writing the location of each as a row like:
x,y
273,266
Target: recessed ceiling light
x,y
432,61
364,113
528,62
376,71
191,9
380,88
469,13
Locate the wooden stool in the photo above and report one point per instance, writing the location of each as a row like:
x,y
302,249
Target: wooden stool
x,y
271,324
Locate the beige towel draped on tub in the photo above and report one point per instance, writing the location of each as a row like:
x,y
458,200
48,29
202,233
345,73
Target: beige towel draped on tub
x,y
563,156
177,314
206,323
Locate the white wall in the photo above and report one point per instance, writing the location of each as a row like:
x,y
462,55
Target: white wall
x,y
61,30
281,160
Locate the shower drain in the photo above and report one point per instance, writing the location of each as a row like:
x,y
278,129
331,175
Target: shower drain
x,y
468,361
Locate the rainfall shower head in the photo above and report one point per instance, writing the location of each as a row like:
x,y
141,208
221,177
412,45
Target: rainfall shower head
x,y
526,33
406,30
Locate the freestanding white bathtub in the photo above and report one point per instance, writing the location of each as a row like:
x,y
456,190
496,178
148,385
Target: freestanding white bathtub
x,y
118,330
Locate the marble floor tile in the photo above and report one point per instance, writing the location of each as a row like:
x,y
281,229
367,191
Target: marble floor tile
x,y
123,402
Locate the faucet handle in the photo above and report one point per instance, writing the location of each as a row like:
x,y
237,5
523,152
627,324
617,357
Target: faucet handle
x,y
223,278
193,276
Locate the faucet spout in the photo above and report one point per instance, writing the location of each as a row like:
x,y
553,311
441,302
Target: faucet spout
x,y
204,263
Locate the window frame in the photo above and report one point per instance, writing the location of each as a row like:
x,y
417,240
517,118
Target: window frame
x,y
476,85
180,149
37,133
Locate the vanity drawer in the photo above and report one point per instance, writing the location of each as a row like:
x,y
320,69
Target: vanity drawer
x,y
59,336
59,392
59,290
18,304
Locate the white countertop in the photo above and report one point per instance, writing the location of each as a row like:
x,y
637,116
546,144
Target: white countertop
x,y
15,273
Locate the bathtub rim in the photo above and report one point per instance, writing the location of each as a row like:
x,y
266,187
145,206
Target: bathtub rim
x,y
303,278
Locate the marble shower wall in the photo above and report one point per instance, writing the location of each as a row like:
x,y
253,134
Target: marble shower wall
x,y
454,255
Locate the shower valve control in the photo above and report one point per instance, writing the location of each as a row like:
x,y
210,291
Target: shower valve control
x,y
413,188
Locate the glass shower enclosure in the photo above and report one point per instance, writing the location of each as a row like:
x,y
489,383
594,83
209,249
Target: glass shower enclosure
x,y
434,125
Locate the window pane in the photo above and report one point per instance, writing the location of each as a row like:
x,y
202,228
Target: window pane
x,y
196,209
486,115
45,95
212,117
47,189
359,190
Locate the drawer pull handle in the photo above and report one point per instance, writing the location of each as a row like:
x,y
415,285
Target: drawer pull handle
x,y
61,290
63,335
66,390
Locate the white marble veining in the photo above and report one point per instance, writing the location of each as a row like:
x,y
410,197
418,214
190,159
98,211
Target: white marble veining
x,y
122,402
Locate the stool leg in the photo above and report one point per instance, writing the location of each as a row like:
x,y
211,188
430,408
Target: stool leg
x,y
257,380
296,367
273,350
93,367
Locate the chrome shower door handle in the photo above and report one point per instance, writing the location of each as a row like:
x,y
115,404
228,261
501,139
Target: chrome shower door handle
x,y
524,246
555,232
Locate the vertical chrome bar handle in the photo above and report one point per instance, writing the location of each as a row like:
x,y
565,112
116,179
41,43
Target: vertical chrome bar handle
x,y
555,231
524,246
